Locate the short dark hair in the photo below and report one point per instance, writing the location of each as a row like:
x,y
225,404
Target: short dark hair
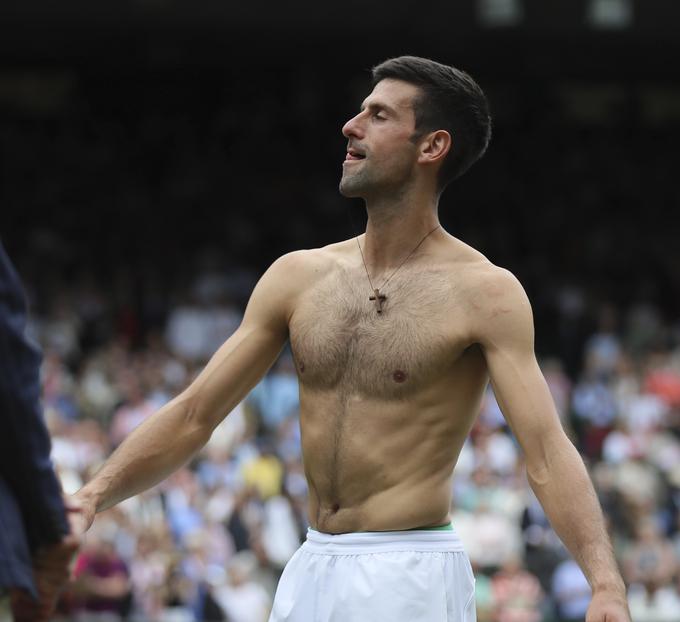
x,y
451,100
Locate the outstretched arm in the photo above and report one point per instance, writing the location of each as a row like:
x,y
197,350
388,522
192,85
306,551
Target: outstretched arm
x,y
172,435
555,470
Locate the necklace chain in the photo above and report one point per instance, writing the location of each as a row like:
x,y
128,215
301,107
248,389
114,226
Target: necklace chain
x,y
427,235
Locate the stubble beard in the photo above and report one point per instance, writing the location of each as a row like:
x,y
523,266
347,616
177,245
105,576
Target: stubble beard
x,y
355,184
367,185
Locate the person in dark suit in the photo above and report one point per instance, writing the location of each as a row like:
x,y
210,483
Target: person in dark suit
x,y
35,541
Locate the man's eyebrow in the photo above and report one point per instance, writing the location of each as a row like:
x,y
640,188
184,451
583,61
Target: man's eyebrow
x,y
375,106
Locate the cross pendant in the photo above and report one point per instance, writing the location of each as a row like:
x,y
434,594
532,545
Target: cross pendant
x,y
378,299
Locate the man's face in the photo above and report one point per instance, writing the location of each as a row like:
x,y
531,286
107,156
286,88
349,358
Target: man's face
x,y
380,153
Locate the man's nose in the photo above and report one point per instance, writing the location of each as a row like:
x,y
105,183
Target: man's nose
x,y
353,128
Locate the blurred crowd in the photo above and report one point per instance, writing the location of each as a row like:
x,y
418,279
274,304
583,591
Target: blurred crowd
x,y
132,174
211,541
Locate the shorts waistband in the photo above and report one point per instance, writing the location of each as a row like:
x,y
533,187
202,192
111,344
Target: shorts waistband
x,y
382,541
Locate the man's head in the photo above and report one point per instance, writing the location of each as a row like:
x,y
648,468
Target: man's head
x,y
421,116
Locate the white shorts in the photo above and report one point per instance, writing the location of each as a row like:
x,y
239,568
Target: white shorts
x,y
392,576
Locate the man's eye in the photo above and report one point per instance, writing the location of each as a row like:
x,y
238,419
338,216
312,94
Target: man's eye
x,y
379,117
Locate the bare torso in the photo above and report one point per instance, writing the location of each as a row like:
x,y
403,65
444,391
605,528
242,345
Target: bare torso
x,y
386,400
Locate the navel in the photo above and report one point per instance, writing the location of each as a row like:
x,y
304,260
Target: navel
x,y
335,507
399,376
301,366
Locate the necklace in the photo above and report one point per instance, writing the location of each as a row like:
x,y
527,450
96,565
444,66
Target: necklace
x,y
377,298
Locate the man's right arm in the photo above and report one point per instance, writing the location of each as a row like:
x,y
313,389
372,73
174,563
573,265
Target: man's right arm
x,y
172,435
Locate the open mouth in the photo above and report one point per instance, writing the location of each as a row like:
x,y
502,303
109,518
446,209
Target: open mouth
x,y
353,154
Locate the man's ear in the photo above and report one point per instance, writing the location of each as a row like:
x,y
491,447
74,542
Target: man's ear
x,y
434,147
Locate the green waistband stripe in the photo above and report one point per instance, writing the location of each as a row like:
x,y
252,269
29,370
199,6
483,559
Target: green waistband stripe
x,y
447,527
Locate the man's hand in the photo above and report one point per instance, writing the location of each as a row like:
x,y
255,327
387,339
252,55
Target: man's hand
x,y
608,607
51,573
80,511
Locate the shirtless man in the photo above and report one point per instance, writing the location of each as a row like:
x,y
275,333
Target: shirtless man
x,y
395,336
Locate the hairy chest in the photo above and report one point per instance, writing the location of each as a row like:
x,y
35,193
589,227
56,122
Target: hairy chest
x,y
339,340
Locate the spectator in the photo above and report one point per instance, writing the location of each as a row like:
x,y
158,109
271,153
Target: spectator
x,y
543,549
490,538
652,602
517,593
240,597
650,559
276,397
603,348
571,592
484,597
102,581
136,407
595,408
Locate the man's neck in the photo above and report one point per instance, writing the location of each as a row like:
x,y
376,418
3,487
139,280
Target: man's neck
x,y
394,229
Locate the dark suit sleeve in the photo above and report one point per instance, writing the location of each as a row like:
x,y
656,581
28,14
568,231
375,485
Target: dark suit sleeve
x,y
25,464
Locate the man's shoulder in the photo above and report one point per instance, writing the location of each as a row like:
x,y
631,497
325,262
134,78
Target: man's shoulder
x,y
492,294
497,302
314,260
297,271
479,274
494,282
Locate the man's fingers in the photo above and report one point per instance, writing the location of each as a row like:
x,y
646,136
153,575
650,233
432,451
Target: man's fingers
x,y
80,514
77,522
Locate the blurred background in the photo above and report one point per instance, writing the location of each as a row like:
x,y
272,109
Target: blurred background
x,y
156,156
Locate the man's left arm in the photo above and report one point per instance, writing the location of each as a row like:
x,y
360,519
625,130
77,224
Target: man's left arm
x,y
555,470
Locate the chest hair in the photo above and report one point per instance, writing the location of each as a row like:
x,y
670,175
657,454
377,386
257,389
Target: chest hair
x,y
340,341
